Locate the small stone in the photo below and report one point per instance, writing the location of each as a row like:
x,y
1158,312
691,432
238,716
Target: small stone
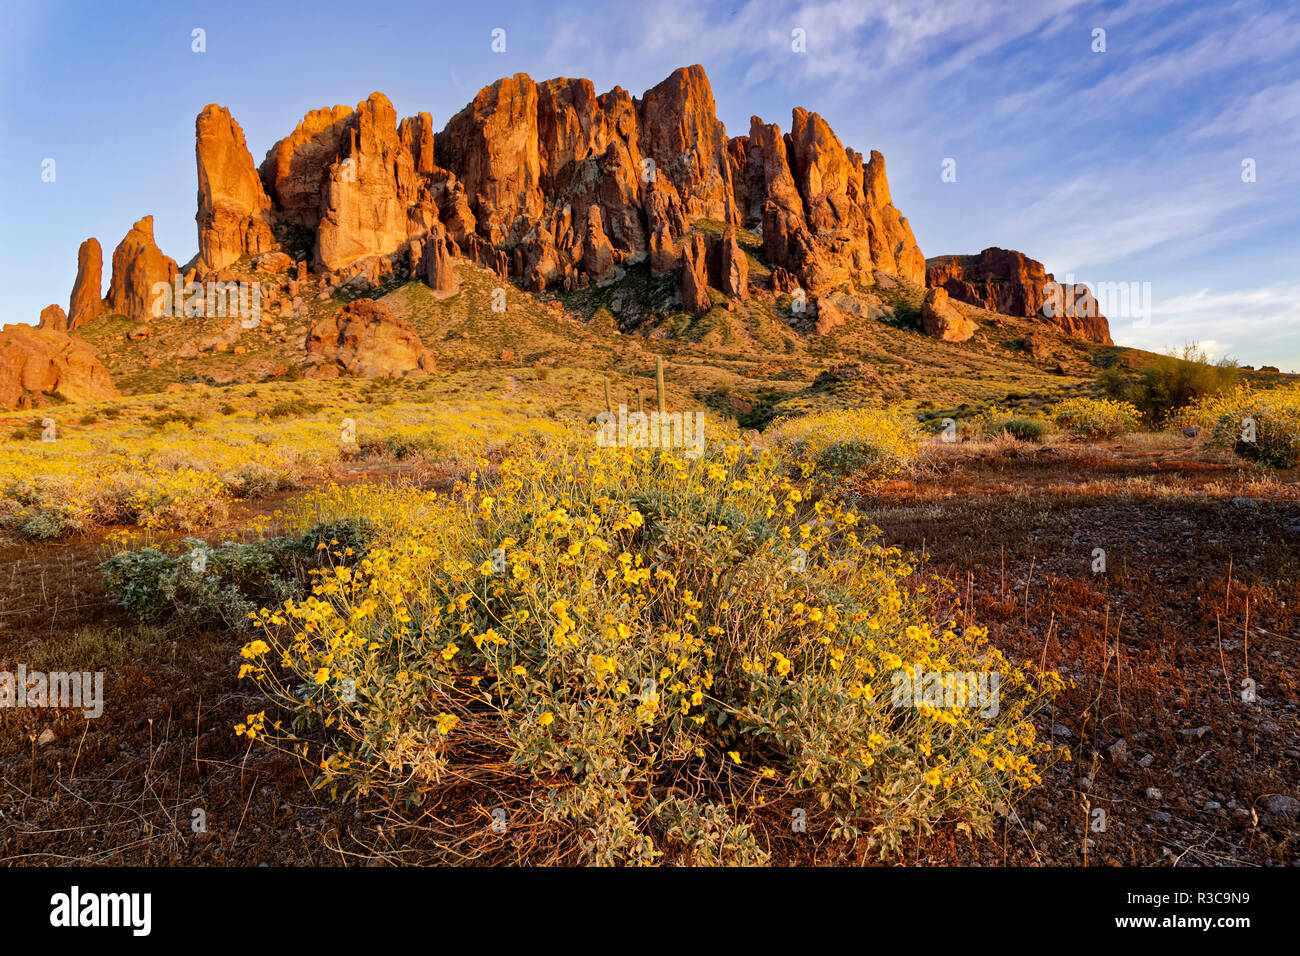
x,y
1060,730
1118,751
1279,805
1161,817
1195,732
1147,761
1154,794
1211,805
46,737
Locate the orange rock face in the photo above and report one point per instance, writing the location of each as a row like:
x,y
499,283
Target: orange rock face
x,y
53,317
681,132
825,216
296,168
370,203
491,145
548,184
137,265
940,319
234,214
1006,281
437,265
365,339
87,302
35,362
693,283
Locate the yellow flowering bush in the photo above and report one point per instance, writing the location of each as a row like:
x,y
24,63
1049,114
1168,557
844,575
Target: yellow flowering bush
x,y
1259,425
662,645
1094,418
872,442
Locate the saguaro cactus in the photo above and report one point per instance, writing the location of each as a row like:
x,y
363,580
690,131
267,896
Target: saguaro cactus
x,y
659,385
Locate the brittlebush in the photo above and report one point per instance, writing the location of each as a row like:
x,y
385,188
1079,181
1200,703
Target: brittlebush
x,y
1096,418
1260,425
670,644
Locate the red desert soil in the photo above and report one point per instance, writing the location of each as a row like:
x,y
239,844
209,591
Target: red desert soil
x,y
1199,593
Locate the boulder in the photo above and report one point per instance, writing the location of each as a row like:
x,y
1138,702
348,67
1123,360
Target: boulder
x,y
138,264
87,302
367,340
37,362
941,320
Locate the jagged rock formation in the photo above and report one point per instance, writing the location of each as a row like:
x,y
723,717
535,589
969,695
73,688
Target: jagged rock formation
x,y
1006,281
234,213
87,302
550,184
826,217
693,283
137,265
437,265
712,260
370,201
35,363
365,339
941,320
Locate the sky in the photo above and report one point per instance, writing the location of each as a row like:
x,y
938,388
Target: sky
x,y
1163,151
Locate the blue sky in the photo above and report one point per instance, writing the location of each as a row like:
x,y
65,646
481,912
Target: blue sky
x,y
1115,166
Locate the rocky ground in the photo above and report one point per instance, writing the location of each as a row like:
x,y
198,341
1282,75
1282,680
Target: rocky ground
x,y
1198,595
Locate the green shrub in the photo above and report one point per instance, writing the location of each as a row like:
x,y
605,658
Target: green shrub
x,y
204,586
1021,429
1170,383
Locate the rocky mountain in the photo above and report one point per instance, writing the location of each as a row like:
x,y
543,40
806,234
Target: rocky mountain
x,y
1006,281
557,189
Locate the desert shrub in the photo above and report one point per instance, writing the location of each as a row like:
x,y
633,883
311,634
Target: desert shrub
x,y
1171,382
1093,418
874,442
293,408
1261,426
57,522
256,479
184,499
201,586
620,622
171,416
1018,427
